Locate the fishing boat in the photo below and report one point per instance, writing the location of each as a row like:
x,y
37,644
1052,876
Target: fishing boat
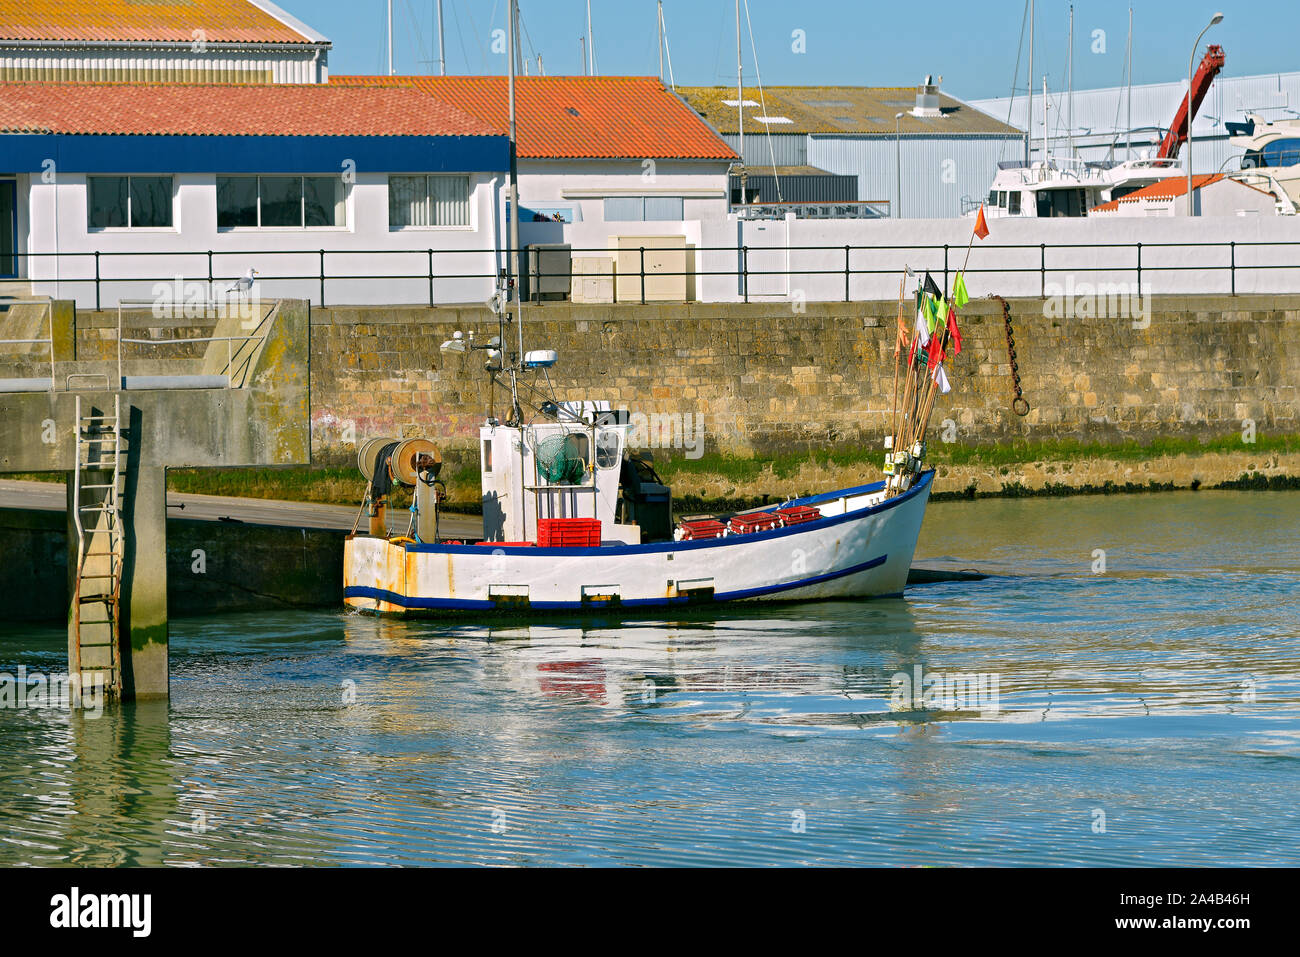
x,y
577,520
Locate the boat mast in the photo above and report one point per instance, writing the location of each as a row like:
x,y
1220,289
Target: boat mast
x,y
740,109
661,41
1045,153
1128,146
1069,95
1029,110
442,48
512,40
390,37
591,46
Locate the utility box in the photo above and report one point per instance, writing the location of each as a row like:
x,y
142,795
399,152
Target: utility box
x,y
593,279
547,277
668,264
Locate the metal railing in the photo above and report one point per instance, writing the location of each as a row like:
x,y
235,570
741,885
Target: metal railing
x,y
849,262
223,379
48,339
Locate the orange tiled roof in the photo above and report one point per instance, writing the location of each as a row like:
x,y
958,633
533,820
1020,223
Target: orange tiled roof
x,y
222,21
577,117
229,110
1166,188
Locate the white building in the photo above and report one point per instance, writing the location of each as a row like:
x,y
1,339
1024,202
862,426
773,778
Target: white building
x,y
1213,195
195,41
118,188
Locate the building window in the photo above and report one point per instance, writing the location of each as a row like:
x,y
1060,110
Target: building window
x,y
644,209
136,202
436,200
280,202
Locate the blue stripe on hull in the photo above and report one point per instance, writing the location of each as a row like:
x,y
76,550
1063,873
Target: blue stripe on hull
x,y
469,604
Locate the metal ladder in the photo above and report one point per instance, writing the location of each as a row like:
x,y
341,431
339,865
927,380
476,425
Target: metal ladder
x,y
97,589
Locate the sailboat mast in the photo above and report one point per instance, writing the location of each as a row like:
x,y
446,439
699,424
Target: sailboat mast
x,y
661,41
1128,146
1029,110
740,91
512,40
442,47
390,37
1069,95
1045,154
591,47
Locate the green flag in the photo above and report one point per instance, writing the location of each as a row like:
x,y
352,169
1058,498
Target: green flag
x,y
934,310
959,294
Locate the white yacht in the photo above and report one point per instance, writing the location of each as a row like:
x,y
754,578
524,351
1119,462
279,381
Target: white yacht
x,y
1271,154
1068,187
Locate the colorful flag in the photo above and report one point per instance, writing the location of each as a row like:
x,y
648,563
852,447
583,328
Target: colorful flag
x,y
931,287
935,354
936,313
953,332
941,380
959,294
922,320
981,225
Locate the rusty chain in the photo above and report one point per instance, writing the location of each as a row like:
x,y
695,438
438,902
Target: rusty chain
x,y
1019,404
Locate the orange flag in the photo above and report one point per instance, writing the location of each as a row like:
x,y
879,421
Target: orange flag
x,y
981,227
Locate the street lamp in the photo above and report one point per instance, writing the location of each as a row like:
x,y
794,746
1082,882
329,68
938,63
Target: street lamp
x,y
1191,62
898,165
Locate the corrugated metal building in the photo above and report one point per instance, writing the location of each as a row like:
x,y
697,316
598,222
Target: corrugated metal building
x,y
1098,119
196,41
947,149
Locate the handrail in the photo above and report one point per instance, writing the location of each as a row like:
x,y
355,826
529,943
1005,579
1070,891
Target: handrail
x,y
1127,257
48,340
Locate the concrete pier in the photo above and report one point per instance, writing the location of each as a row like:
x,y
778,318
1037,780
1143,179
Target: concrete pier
x,y
259,417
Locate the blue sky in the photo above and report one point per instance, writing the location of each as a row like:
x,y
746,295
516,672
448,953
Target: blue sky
x,y
971,43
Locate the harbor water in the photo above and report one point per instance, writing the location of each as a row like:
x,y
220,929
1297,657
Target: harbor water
x,y
1123,690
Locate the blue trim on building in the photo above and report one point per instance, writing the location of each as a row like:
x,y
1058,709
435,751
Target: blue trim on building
x,y
26,153
412,602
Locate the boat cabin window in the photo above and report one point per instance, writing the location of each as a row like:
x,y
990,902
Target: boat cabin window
x,y
1013,203
608,451
1281,153
487,456
993,197
1062,202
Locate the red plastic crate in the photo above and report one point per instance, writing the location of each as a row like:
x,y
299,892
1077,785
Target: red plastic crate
x,y
568,532
754,522
799,514
703,528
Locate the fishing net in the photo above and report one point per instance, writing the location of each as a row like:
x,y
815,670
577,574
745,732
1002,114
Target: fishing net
x,y
559,459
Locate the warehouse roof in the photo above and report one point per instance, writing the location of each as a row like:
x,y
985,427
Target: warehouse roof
x,y
852,110
151,21
229,110
577,117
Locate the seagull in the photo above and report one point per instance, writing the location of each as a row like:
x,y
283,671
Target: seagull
x,y
245,282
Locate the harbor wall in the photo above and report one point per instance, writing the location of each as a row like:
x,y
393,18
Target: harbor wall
x,y
766,379
231,566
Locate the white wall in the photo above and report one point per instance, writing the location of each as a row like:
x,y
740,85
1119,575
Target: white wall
x,y
364,246
1098,236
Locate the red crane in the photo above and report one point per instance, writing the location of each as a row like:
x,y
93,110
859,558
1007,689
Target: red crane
x,y
1205,74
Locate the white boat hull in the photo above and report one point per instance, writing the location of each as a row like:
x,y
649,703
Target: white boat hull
x,y
862,547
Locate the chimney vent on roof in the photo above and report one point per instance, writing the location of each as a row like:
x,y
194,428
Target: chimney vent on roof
x,y
927,98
